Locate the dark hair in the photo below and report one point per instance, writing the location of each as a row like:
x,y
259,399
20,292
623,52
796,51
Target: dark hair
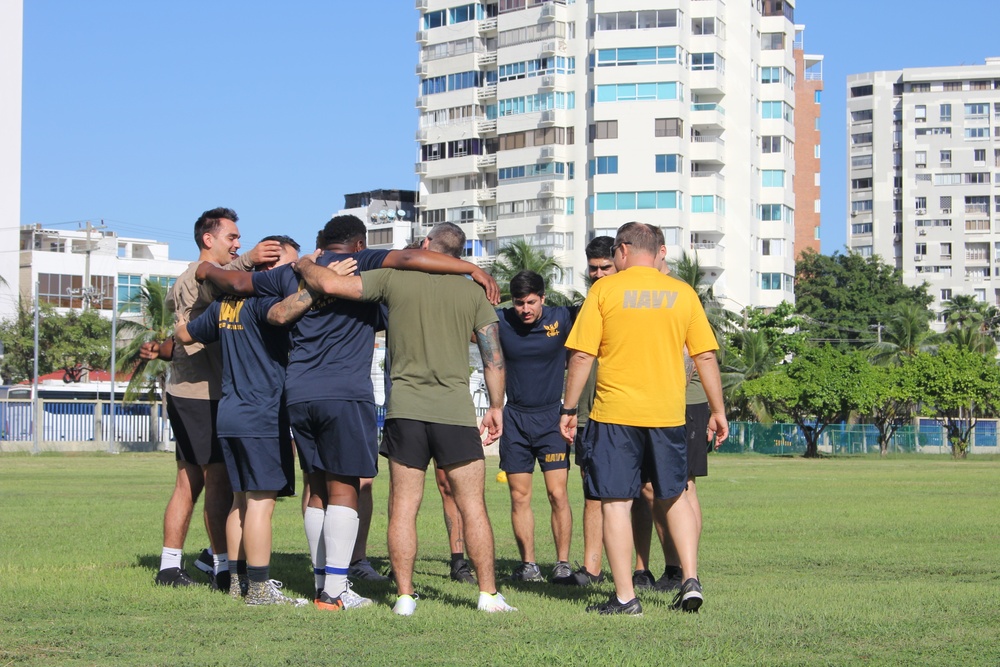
x,y
342,229
638,235
446,238
600,247
209,221
283,240
525,283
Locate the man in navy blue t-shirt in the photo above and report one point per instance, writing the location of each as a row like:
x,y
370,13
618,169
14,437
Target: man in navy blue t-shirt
x,y
331,401
533,336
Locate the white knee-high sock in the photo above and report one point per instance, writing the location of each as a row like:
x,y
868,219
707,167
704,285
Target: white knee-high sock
x,y
313,521
340,531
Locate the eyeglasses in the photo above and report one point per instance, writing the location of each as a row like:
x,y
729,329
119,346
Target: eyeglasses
x,y
614,248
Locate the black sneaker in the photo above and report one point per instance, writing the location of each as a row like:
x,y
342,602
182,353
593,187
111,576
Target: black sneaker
x,y
205,563
580,577
527,572
461,572
220,581
642,580
174,576
689,597
613,606
670,581
561,572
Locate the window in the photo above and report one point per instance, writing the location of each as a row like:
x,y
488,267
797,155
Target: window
x,y
770,74
817,95
630,201
778,8
773,178
861,206
465,13
945,204
979,156
920,202
668,127
861,183
434,19
704,204
861,228
920,158
772,247
952,86
920,113
976,177
977,110
704,26
639,92
945,295
633,20
861,91
861,161
945,251
771,281
920,249
922,87
770,144
379,236
771,41
776,110
604,165
862,116
861,138
705,62
603,129
945,112
647,55
432,217
977,204
945,157
128,289
979,85
668,164
65,291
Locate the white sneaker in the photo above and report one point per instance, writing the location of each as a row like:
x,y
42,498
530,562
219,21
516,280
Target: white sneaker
x,y
352,600
405,605
493,603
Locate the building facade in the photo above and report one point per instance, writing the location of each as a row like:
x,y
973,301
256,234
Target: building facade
x,y
923,169
808,93
11,22
555,121
92,268
389,215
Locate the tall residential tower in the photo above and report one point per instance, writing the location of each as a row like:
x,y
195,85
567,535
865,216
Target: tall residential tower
x,y
923,168
11,21
554,121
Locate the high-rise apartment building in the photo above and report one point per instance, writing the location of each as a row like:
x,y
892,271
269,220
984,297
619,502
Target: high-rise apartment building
x,y
11,21
923,167
554,121
808,91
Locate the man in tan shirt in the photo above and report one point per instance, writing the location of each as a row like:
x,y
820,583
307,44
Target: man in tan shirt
x,y
193,392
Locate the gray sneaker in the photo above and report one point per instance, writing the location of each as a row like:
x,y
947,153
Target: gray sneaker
x,y
561,572
527,572
268,593
363,571
352,600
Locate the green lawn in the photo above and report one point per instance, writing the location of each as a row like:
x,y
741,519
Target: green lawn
x,y
820,562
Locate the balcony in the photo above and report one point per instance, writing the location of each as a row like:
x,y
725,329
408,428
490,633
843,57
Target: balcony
x,y
487,26
707,148
709,255
708,115
707,223
486,195
486,161
484,261
547,219
709,82
486,93
485,227
485,127
486,60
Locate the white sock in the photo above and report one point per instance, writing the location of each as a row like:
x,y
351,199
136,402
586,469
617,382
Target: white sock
x,y
340,531
170,558
313,522
221,562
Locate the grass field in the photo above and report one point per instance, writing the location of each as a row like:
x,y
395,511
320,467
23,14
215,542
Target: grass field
x,y
819,562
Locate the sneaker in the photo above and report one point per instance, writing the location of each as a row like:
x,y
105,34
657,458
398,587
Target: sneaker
x,y
581,577
670,581
363,571
461,572
405,605
205,562
493,603
642,580
238,587
220,581
689,597
260,593
327,603
613,606
561,571
352,600
527,572
174,576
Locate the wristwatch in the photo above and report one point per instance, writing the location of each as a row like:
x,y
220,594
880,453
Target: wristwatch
x,y
563,410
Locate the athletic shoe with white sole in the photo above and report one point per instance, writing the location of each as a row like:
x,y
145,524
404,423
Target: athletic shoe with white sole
x,y
689,597
405,605
362,570
352,600
527,572
205,562
561,572
174,576
260,593
580,577
492,604
613,606
238,586
328,603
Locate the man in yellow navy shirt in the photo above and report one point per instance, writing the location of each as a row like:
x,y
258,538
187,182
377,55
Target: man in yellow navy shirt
x,y
637,322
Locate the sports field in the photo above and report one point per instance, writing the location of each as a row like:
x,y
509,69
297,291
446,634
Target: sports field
x,y
804,562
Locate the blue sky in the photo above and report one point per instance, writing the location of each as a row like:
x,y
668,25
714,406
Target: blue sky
x,y
144,114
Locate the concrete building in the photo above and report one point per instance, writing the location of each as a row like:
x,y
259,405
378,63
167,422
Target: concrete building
x,y
923,167
11,22
808,91
554,121
389,215
64,264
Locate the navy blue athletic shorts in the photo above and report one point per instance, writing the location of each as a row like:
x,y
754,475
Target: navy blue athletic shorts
x,y
582,458
193,423
696,422
336,437
530,435
413,443
260,464
622,457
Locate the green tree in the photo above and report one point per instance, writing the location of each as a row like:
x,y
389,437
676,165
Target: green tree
x,y
819,387
957,387
963,310
846,297
68,342
971,337
155,323
888,393
906,333
522,256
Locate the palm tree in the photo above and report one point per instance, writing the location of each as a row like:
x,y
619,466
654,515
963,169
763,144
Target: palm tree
x,y
906,333
522,256
688,269
971,338
963,309
750,355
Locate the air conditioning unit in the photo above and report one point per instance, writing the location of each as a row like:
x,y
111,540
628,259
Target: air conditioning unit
x,y
922,232
422,37
422,69
918,258
921,211
854,214
422,5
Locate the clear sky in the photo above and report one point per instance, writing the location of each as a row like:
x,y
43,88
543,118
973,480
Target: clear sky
x,y
144,114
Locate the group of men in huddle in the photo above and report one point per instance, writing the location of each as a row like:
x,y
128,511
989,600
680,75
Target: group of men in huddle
x,y
270,344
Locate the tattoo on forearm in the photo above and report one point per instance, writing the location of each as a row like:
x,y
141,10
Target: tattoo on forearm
x,y
488,339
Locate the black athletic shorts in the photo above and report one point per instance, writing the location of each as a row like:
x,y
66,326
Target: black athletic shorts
x,y
697,439
260,464
582,459
621,458
193,423
530,435
336,437
414,443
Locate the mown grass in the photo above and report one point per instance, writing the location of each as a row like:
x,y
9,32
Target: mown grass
x,y
822,562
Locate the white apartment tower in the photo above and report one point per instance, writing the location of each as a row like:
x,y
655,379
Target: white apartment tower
x,y
11,21
554,121
923,170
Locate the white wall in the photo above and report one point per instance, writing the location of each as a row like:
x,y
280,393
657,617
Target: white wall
x,y
11,20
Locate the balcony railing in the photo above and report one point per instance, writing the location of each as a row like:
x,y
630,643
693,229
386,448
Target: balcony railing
x,y
707,106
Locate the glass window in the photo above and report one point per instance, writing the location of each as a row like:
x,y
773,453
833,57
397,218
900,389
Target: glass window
x,y
773,178
668,127
668,164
